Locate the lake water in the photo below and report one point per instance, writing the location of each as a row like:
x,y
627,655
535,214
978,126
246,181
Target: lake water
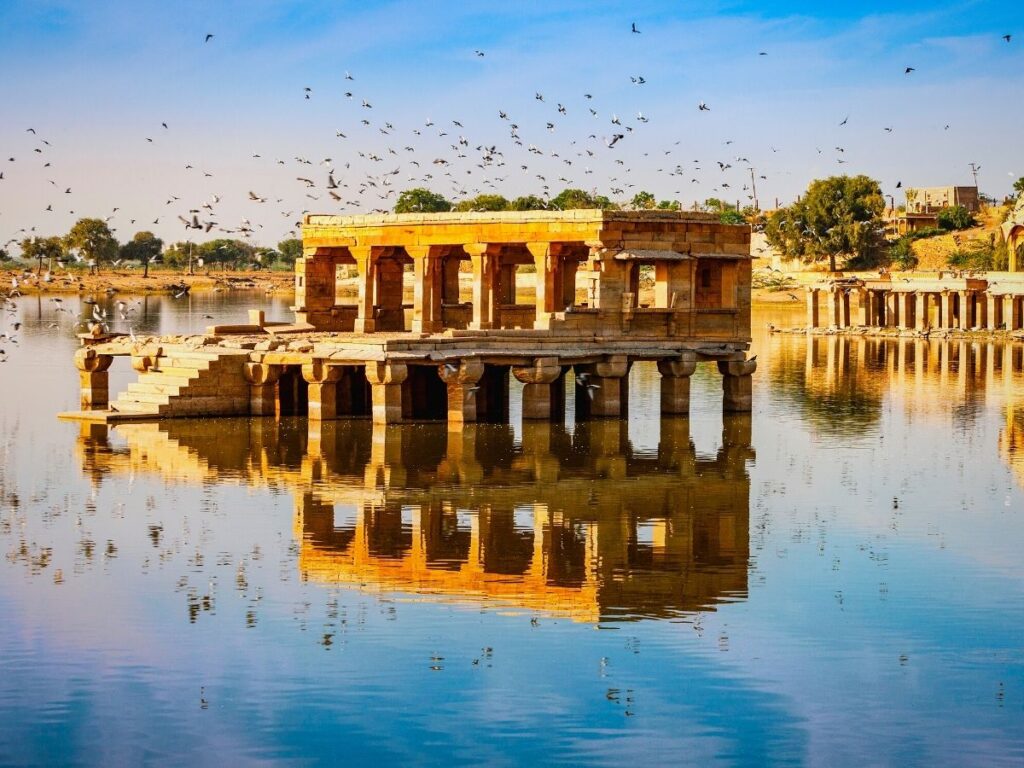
x,y
836,580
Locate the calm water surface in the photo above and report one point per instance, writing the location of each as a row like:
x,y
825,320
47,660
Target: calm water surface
x,y
837,580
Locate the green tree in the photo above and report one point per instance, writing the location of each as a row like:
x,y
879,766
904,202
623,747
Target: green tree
x,y
715,205
93,240
42,249
225,252
572,199
955,218
483,203
643,200
669,205
143,247
420,200
289,251
1018,186
732,216
839,216
528,203
5,254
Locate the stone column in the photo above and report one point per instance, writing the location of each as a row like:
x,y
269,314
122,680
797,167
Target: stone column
x,y
486,313
993,311
675,383
833,303
966,310
608,387
908,314
262,380
813,318
426,302
462,379
540,400
1014,315
548,262
844,303
947,305
891,303
1009,305
386,387
365,316
737,384
93,378
323,389
864,308
921,311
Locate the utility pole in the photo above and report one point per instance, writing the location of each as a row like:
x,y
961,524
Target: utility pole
x,y
190,258
753,187
974,172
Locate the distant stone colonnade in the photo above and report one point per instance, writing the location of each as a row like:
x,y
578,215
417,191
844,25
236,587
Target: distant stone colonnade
x,y
918,303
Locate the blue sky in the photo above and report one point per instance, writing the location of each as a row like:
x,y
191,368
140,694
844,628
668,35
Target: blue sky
x,y
96,80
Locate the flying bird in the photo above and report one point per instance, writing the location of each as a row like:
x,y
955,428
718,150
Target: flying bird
x,y
633,29
209,37
908,70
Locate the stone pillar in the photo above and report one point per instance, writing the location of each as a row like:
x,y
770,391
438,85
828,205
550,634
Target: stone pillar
x,y
993,311
891,303
262,380
864,308
908,310
833,303
540,380
675,383
947,305
813,317
966,310
1012,313
844,304
921,311
426,303
737,384
323,389
386,387
365,315
608,387
93,378
548,262
486,313
462,380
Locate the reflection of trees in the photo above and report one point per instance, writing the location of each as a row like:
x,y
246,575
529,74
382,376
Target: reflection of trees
x,y
1011,441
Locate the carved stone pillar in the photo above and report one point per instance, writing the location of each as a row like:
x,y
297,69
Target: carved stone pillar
x,y
386,387
93,378
262,380
675,383
891,309
606,387
948,302
323,389
993,311
864,309
426,303
813,316
365,316
966,310
547,260
737,385
921,311
540,401
486,313
462,380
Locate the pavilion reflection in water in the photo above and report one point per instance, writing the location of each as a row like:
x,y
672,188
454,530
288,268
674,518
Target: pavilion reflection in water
x,y
934,376
573,523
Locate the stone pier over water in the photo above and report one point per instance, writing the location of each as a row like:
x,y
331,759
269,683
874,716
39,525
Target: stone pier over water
x,y
611,289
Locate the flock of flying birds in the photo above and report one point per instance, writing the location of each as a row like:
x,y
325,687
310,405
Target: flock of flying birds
x,y
443,156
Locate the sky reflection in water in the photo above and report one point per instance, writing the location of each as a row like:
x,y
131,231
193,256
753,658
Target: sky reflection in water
x,y
835,580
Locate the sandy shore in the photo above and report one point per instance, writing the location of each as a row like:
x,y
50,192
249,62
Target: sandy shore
x,y
158,281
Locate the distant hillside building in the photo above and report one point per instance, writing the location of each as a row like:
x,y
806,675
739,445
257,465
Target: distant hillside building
x,y
928,200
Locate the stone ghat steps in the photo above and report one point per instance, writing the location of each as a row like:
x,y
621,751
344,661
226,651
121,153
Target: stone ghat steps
x,y
186,383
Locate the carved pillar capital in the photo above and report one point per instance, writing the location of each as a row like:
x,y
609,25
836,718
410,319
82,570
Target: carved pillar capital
x,y
318,372
380,372
467,371
261,374
544,370
88,360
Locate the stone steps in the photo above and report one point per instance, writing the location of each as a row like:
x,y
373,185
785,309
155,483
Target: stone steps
x,y
189,383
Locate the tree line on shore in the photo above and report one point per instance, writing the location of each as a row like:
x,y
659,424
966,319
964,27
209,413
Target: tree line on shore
x,y
90,243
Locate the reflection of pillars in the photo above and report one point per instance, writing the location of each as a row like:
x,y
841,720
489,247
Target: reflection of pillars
x,y
321,448
963,374
262,380
385,469
607,442
675,383
543,388
813,318
367,269
322,394
921,311
93,378
675,448
537,445
461,454
485,310
944,356
462,383
737,386
737,431
386,385
426,303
